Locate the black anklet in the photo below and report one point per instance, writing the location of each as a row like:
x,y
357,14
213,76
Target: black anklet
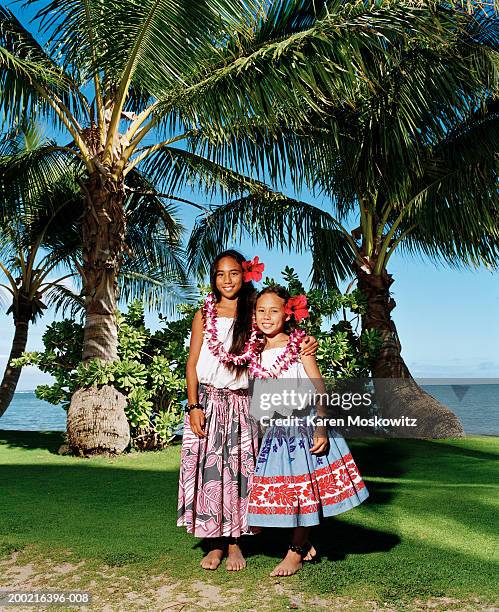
x,y
301,550
232,540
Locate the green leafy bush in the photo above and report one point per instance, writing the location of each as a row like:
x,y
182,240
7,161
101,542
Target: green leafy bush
x,y
150,371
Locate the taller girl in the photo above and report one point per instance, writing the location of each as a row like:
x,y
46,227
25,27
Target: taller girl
x,y
220,442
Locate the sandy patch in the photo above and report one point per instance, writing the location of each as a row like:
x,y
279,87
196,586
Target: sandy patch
x,y
113,591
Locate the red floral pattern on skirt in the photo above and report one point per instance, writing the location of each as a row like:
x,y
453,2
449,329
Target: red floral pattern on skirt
x,y
305,493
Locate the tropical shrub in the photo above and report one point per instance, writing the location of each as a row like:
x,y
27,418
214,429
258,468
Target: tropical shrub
x,y
149,371
342,352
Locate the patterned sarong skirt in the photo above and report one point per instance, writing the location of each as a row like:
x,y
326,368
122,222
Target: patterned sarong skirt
x,y
292,487
215,470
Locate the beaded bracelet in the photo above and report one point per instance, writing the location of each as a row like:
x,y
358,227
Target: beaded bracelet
x,y
190,407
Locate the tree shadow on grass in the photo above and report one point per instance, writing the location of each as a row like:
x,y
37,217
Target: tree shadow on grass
x,y
449,447
126,513
45,440
337,539
394,458
374,457
333,540
98,510
110,502
123,515
112,510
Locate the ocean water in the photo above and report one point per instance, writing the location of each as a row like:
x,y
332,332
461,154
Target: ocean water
x,y
477,405
28,413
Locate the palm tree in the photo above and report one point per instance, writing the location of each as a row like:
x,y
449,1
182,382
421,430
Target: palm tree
x,y
27,269
416,162
40,236
116,74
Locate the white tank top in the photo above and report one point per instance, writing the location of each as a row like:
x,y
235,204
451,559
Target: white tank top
x,y
209,369
295,370
293,379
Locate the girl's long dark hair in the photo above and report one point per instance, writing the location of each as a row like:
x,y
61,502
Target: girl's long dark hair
x,y
282,292
245,306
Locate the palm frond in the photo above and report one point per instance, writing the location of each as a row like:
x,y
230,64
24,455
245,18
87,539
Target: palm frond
x,y
150,44
174,169
161,61
31,175
454,206
484,28
332,258
279,222
154,235
455,240
78,33
155,289
409,98
46,206
329,63
29,76
145,208
65,301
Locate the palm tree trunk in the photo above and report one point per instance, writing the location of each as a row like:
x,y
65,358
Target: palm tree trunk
x,y
11,374
96,418
103,244
396,390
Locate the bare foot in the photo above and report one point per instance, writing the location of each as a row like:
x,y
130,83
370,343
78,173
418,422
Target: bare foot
x,y
235,560
312,553
213,559
291,563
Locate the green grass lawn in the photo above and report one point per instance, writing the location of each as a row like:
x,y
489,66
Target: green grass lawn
x,y
426,531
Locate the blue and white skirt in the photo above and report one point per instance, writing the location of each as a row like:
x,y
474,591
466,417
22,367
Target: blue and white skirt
x,y
291,487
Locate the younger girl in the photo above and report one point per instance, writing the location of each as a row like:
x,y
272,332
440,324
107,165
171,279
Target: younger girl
x,y
302,473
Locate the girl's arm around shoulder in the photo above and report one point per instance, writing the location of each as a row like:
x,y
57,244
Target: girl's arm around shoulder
x,y
308,346
312,369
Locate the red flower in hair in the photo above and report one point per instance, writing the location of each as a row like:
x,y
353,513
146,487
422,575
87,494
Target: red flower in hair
x,y
297,306
252,270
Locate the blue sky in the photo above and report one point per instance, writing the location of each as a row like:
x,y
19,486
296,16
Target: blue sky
x,y
446,319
